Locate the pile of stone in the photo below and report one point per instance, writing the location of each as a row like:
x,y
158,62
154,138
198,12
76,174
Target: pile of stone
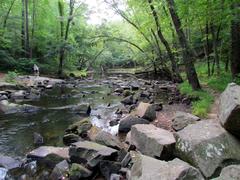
x,y
198,149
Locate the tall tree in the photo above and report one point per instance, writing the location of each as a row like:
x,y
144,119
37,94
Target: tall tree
x,y
175,70
235,40
23,28
187,52
7,15
27,45
64,37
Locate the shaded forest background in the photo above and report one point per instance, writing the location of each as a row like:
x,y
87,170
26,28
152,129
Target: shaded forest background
x,y
174,36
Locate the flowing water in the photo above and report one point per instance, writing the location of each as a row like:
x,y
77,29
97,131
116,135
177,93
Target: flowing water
x,y
16,131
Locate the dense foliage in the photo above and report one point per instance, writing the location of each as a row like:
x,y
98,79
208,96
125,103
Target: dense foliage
x,y
153,34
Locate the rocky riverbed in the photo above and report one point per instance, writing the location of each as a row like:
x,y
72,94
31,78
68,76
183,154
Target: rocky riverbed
x,y
113,128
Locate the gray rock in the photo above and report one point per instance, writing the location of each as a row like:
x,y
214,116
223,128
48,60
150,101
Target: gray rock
x,y
119,90
80,128
4,85
11,108
128,100
109,167
182,119
231,172
77,172
153,141
3,97
90,153
9,163
107,139
18,94
229,109
206,145
60,171
148,168
68,139
38,139
127,122
49,156
134,86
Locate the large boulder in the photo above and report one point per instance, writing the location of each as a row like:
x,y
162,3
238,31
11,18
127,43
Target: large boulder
x,y
107,139
207,146
229,109
9,163
182,119
153,141
4,174
11,108
231,172
127,122
48,155
90,153
80,127
146,111
145,167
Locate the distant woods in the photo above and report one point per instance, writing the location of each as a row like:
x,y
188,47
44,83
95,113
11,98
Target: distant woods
x,y
167,35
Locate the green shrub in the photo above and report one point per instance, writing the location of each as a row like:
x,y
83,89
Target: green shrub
x,y
11,76
202,106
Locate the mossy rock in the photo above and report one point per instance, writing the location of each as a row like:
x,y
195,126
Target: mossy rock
x,y
77,171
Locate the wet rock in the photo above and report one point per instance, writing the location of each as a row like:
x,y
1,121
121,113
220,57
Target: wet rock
x,y
231,172
109,167
107,139
38,139
127,93
80,128
134,86
145,167
127,122
60,171
18,94
49,155
145,94
31,168
77,172
11,108
68,139
9,163
3,97
114,122
230,109
182,119
90,153
146,111
153,141
119,90
128,100
3,174
206,145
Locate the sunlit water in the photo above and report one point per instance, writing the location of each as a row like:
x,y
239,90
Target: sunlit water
x,y
16,131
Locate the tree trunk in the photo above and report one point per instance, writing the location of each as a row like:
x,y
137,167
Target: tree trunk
x,y
27,46
187,52
215,48
235,35
7,15
62,49
175,70
33,27
23,28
